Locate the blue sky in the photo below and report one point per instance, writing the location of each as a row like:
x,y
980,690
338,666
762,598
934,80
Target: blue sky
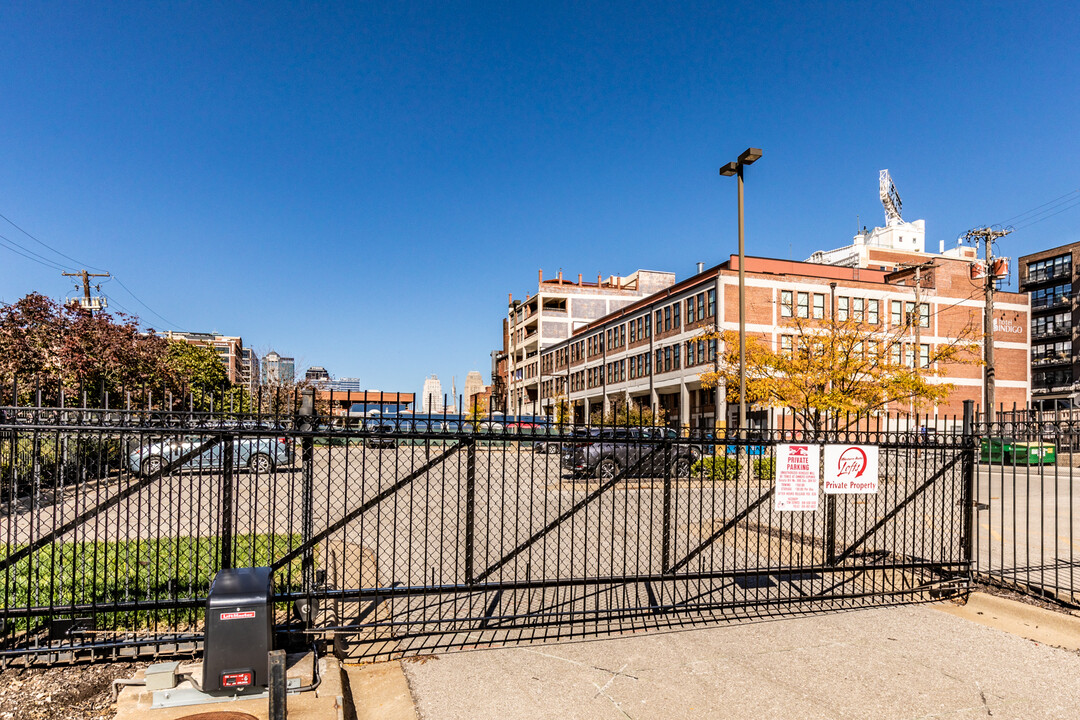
x,y
361,185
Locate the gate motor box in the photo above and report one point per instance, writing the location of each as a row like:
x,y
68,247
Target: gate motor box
x,y
239,622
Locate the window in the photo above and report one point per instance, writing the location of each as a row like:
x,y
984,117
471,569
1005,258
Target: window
x,y
659,360
701,306
712,350
785,345
675,315
909,355
675,357
924,315
701,351
648,329
894,354
803,308
622,335
659,321
648,364
667,318
924,355
872,312
843,308
633,330
858,309
690,355
690,310
786,303
1048,325
1049,269
1048,297
667,359
896,313
712,303
819,306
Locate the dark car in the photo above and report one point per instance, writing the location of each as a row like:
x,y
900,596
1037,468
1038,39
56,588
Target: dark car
x,y
608,452
383,437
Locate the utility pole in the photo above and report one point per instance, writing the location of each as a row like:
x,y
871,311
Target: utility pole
x,y
87,302
988,236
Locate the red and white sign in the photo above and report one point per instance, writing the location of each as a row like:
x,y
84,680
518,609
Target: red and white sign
x,y
851,469
244,615
797,477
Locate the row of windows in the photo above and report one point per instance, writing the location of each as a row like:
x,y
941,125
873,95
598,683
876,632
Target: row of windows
x,y
616,337
1050,268
640,328
1047,297
1045,352
701,306
905,313
1051,378
900,352
1051,325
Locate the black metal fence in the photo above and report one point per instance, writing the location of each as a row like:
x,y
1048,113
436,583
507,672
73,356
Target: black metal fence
x,y
1027,503
400,536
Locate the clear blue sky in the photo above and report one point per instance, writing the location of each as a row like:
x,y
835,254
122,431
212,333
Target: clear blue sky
x,y
361,185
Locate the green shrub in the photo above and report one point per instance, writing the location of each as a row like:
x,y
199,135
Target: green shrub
x,y
765,468
716,467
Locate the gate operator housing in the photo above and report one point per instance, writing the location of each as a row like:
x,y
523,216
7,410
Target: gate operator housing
x,y
239,621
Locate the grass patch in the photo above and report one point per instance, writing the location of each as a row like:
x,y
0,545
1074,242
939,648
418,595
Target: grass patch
x,y
141,571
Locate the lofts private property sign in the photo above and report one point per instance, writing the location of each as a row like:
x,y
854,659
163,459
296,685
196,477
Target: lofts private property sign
x,y
797,477
851,469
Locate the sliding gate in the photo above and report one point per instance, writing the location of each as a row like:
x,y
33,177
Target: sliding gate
x,y
406,537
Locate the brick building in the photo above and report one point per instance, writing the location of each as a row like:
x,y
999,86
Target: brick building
x,y
229,349
551,315
646,352
1050,278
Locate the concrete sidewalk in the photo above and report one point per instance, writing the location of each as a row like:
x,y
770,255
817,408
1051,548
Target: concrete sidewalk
x,y
900,662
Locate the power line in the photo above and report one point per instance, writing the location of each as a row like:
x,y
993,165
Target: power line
x,y
1026,224
18,249
1039,207
45,245
155,312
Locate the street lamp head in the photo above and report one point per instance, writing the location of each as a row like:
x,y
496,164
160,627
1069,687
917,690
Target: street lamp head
x,y
729,169
750,156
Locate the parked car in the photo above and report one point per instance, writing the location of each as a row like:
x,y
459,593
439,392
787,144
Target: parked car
x,y
258,454
1009,450
383,437
555,439
607,452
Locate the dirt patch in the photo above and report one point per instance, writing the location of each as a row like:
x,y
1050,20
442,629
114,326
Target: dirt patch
x,y
1027,598
70,692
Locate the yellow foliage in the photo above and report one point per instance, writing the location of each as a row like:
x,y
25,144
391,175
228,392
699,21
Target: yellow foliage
x,y
828,370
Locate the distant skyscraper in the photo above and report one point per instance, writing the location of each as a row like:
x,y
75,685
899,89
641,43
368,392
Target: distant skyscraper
x,y
345,384
278,370
317,376
474,383
431,399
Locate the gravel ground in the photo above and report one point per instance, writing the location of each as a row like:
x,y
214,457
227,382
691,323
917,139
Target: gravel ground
x,y
69,692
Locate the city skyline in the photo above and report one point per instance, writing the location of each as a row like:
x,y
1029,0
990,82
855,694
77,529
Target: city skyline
x,y
396,173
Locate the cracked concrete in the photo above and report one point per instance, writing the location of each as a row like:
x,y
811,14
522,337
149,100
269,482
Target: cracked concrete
x,y
900,662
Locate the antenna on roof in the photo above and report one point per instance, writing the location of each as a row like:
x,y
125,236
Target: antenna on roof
x,y
890,199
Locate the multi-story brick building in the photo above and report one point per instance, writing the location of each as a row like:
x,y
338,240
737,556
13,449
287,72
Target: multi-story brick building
x,y
1050,278
229,349
552,314
647,352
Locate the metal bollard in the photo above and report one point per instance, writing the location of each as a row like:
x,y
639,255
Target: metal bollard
x,y
278,693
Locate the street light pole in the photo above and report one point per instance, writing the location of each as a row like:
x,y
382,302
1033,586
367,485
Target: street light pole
x,y
749,156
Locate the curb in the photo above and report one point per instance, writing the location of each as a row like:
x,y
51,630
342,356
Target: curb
x,y
1027,621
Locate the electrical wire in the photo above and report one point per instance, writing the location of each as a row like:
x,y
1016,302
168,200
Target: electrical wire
x,y
166,320
43,244
8,243
1039,207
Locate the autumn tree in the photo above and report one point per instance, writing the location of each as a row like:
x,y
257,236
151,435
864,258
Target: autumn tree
x,y
629,415
834,373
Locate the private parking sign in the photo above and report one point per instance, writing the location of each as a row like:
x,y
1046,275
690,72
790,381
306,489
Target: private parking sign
x,y
851,469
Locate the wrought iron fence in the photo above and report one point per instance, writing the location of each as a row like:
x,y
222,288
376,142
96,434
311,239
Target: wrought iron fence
x,y
399,535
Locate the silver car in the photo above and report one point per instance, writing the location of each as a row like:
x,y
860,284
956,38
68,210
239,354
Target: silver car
x,y
258,454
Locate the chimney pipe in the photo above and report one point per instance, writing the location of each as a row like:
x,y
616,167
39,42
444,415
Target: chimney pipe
x,y
560,276
598,282
541,274
579,279
700,268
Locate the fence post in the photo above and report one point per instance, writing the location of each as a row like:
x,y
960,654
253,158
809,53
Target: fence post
x,y
665,537
470,508
227,521
306,424
278,700
970,444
